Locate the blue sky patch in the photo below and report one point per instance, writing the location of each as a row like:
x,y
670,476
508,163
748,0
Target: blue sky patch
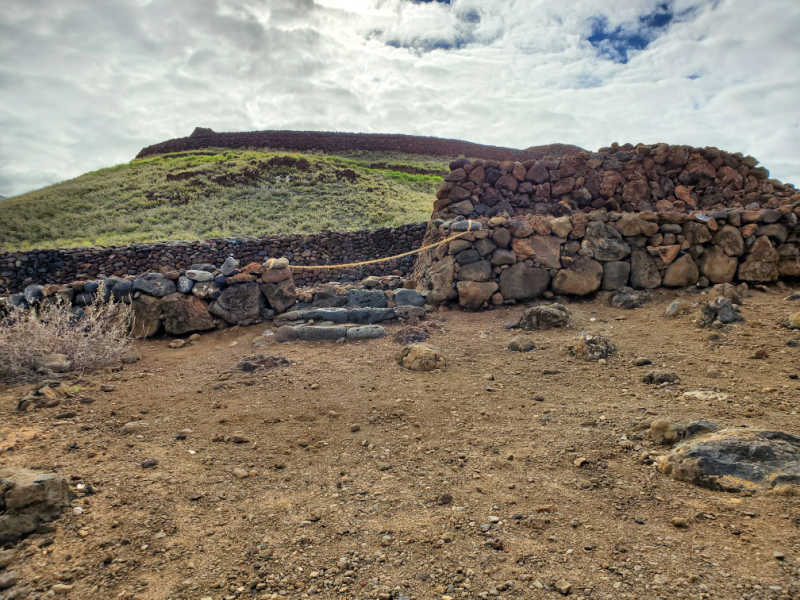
x,y
616,43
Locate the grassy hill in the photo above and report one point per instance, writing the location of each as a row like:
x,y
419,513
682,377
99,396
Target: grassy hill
x,y
224,193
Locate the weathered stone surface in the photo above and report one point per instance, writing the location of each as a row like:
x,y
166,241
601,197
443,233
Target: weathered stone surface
x,y
145,316
729,240
628,298
592,347
605,242
544,249
276,275
474,294
154,284
544,316
521,282
761,263
281,296
582,277
682,273
696,233
476,271
229,266
562,226
185,314
404,297
501,256
615,274
28,499
440,281
736,460
501,237
644,271
521,343
319,333
365,332
198,275
421,357
367,298
718,266
239,304
359,315
185,285
719,310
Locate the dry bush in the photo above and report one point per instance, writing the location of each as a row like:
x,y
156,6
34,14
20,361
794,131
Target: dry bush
x,y
98,339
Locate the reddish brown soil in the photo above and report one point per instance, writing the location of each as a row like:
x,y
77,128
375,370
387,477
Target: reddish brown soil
x,y
369,481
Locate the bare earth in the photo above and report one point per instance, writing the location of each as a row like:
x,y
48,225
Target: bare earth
x,y
358,479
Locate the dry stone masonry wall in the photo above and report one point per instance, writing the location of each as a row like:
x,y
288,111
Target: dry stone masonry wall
x,y
19,269
644,217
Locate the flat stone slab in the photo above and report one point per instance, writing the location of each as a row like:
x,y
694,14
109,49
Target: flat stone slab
x,y
736,460
359,316
322,333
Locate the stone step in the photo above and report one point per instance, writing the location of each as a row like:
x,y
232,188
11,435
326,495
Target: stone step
x,y
339,315
321,333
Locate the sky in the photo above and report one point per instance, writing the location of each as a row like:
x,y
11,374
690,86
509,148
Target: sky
x,y
86,84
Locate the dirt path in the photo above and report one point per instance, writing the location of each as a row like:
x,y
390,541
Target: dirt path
x,y
357,479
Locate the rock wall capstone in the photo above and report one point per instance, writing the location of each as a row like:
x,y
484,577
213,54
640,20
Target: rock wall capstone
x,y
19,269
640,217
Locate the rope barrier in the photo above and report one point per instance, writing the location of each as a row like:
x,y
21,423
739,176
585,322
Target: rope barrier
x,y
387,258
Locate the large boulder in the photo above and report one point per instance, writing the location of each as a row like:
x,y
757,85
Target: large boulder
x,y
761,263
544,249
154,284
521,282
239,304
475,271
440,281
736,460
616,274
729,240
281,296
185,314
605,242
27,500
421,357
145,316
544,316
582,277
682,273
644,271
474,294
718,266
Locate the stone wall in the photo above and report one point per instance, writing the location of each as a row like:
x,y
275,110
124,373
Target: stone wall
x,y
658,177
644,217
18,269
334,141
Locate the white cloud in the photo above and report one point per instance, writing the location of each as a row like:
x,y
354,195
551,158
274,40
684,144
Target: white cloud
x,y
86,84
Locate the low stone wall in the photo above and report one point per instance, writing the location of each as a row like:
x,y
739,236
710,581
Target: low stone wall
x,y
527,256
19,269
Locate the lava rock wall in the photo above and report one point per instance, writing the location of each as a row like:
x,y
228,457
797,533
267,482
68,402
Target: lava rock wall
x,y
19,269
640,217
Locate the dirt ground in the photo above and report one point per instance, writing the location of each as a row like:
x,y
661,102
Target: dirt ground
x,y
342,475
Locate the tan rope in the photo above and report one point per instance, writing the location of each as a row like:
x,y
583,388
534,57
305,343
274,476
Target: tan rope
x,y
388,258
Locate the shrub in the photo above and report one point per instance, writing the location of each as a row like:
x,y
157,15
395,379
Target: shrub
x,y
97,338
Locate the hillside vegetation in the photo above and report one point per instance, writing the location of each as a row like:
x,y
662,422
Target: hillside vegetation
x,y
224,193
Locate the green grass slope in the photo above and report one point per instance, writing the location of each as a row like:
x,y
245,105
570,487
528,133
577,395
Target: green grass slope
x,y
224,193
